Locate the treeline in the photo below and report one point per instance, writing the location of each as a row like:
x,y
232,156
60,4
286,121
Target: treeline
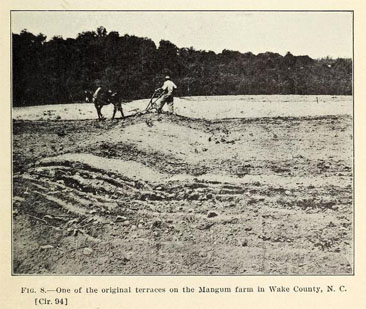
x,y
60,70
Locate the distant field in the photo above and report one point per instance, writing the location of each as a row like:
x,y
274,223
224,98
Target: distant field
x,y
215,107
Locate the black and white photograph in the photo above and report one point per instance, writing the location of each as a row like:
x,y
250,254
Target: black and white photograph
x,y
182,143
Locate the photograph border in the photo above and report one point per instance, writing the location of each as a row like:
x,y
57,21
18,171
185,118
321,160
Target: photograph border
x,y
353,274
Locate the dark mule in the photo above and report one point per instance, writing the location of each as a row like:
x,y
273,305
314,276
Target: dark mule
x,y
101,98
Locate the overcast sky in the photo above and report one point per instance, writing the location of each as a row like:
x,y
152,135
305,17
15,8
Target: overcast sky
x,y
317,34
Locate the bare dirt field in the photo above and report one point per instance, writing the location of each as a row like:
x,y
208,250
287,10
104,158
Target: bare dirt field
x,y
174,195
213,107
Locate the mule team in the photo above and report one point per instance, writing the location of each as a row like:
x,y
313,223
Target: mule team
x,y
102,97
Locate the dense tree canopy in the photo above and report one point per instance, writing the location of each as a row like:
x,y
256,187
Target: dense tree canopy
x,y
60,70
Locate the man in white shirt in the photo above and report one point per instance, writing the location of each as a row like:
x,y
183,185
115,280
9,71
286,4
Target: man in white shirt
x,y
168,96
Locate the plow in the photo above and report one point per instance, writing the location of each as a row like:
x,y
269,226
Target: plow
x,y
153,103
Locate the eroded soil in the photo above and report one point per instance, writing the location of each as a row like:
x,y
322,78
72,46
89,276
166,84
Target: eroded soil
x,y
173,195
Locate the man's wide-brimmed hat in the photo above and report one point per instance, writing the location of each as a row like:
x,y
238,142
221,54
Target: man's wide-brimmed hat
x,y
167,77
